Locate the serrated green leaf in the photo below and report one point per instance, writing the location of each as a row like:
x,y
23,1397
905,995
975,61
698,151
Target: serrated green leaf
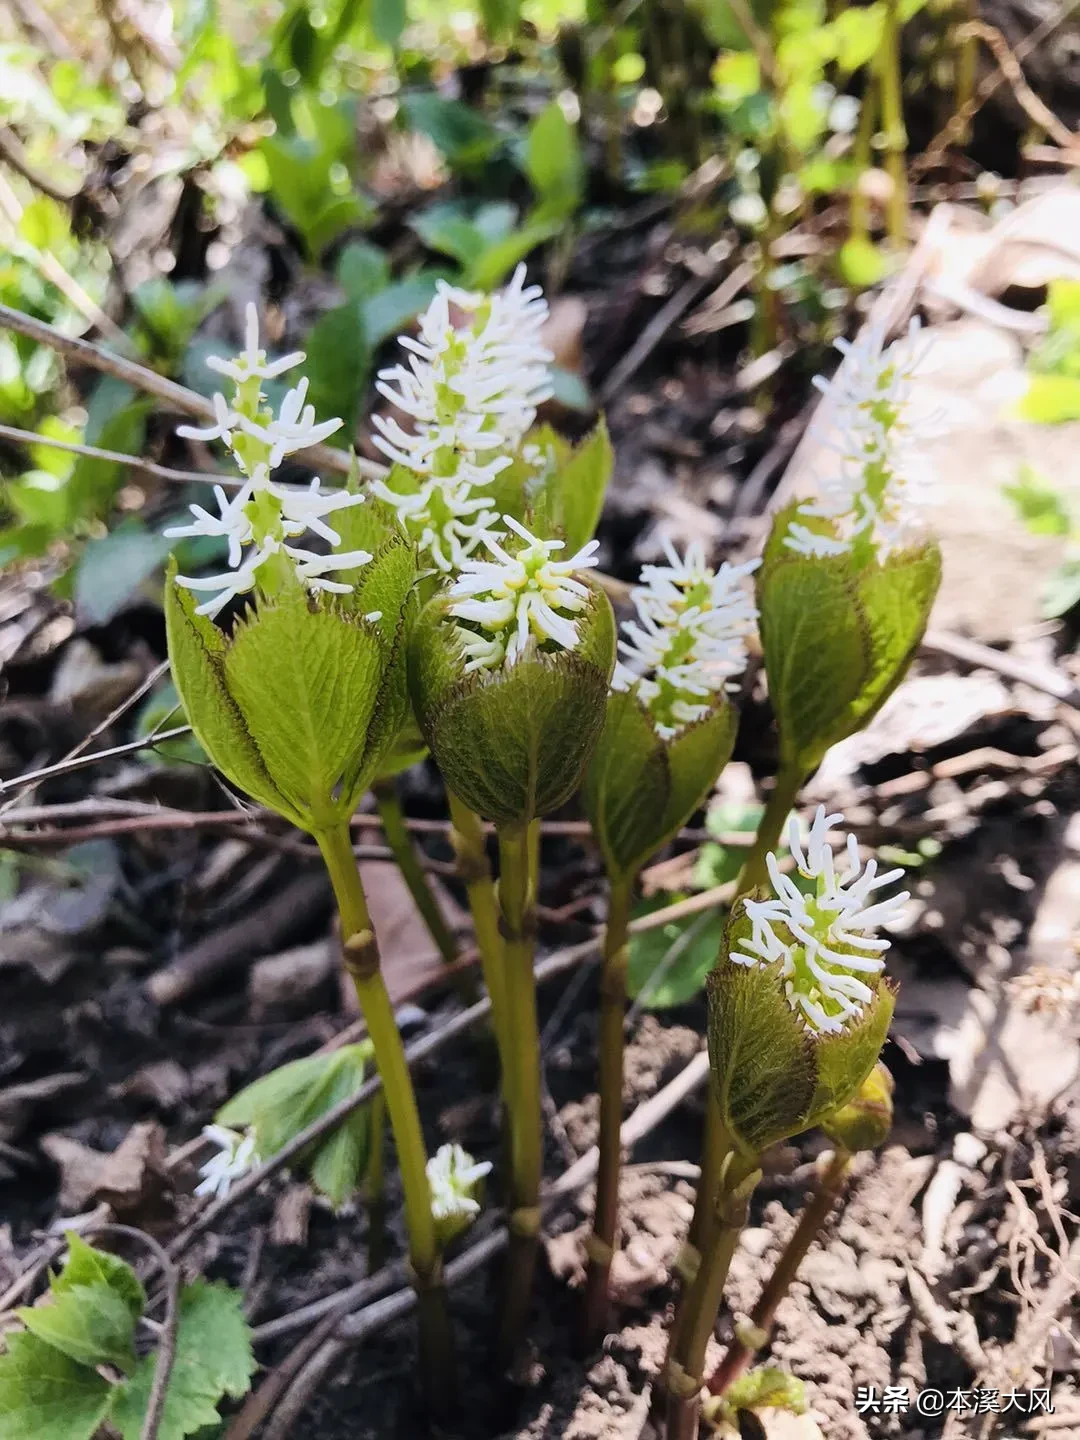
x,y
90,1324
896,598
46,1395
213,1358
196,653
817,651
582,482
696,757
760,1053
846,1058
627,785
306,678
512,743
86,1266
282,1104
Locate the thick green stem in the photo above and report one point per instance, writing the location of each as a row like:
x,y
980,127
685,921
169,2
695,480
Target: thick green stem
x,y
714,1151
467,837
601,1243
360,953
375,1184
781,802
517,891
743,1348
894,135
408,862
685,1366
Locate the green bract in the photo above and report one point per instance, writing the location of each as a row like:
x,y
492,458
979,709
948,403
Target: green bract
x,y
301,705
565,495
640,789
838,635
865,1121
773,1076
512,743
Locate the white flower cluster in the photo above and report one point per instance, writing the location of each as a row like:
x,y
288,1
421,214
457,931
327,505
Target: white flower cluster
x,y
826,941
236,1156
518,601
471,387
876,489
454,1176
263,517
689,637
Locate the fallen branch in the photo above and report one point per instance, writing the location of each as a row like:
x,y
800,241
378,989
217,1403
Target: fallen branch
x,y
118,457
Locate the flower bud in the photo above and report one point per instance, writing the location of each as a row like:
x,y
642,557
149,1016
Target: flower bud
x,y
865,1121
511,708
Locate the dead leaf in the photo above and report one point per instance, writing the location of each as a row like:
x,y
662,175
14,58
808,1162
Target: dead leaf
x,y
80,1170
134,1179
289,980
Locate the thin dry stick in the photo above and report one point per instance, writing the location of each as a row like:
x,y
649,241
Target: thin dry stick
x,y
118,457
1026,98
176,397
80,762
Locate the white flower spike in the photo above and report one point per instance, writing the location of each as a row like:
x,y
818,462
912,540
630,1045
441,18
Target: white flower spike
x,y
689,637
827,941
471,387
262,519
454,1176
876,489
236,1156
519,601
252,362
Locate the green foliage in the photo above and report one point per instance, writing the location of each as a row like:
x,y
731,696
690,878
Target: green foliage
x,y
50,1385
764,1387
112,568
773,1076
640,789
554,165
465,138
309,171
167,316
717,863
512,743
337,363
299,706
487,244
47,1395
669,965
838,634
865,1122
279,1105
1039,505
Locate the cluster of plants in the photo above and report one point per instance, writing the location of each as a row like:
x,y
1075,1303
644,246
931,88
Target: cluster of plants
x,y
452,608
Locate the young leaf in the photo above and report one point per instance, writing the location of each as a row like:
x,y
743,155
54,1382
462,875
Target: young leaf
x,y
670,965
306,681
213,1358
554,164
1050,400
111,569
1040,506
337,364
46,1395
90,1324
281,1104
87,1266
197,652
581,482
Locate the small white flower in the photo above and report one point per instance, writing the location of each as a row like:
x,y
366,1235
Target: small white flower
x,y
231,523
313,568
293,428
876,487
230,583
225,424
444,517
306,509
252,362
454,1176
520,600
235,1158
689,637
826,941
